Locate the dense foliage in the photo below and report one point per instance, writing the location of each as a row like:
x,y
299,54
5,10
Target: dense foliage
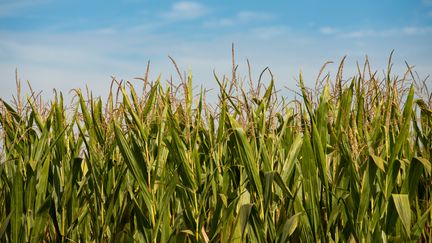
x,y
353,163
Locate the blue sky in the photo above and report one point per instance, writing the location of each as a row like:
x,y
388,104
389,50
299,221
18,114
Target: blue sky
x,y
70,44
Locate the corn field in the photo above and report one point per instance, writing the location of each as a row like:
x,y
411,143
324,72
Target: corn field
x,y
347,161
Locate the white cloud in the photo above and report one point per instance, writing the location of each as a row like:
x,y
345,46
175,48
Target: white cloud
x,y
364,33
328,30
253,16
71,60
269,31
185,10
16,7
241,17
427,2
414,30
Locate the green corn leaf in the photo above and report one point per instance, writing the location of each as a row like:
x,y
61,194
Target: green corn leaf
x,y
135,166
289,163
247,157
42,212
290,226
403,209
4,225
17,207
244,214
406,116
379,162
151,99
426,163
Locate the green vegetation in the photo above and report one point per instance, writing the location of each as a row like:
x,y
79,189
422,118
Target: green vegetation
x,y
350,163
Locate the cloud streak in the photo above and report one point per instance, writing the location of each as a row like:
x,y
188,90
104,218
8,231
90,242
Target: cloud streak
x,y
71,60
326,30
17,7
241,17
365,33
198,36
185,11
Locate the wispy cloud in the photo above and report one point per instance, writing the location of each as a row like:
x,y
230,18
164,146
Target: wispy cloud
x,y
327,30
253,16
71,60
409,30
364,33
185,10
415,30
269,32
14,8
241,17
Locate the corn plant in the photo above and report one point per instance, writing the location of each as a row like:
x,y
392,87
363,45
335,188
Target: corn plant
x,y
351,164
